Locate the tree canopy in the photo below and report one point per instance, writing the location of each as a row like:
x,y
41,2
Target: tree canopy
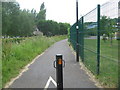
x,y
51,28
42,13
17,22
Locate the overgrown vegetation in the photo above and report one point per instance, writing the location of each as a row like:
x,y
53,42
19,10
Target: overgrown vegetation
x,y
19,46
16,55
19,23
16,22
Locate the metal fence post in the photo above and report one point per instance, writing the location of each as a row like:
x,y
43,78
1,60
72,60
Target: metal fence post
x,y
82,29
98,39
77,32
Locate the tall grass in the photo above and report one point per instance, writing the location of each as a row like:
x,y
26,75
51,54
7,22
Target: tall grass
x,y
15,56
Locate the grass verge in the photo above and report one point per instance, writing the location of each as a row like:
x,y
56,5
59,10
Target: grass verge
x,y
17,55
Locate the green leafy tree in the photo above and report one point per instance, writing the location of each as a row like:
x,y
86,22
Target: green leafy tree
x,y
64,28
108,26
48,27
51,28
104,25
10,13
42,13
112,28
26,23
16,22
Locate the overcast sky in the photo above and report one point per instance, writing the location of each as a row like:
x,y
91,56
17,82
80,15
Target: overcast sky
x,y
61,10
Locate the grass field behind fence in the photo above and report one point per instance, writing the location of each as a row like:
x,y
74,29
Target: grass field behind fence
x,y
108,61
16,55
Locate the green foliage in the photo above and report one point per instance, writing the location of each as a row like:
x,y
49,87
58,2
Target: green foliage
x,y
16,56
28,23
51,28
42,13
16,22
10,13
108,25
64,28
21,23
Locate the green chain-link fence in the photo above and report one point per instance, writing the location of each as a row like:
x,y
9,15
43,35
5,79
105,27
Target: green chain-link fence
x,y
98,42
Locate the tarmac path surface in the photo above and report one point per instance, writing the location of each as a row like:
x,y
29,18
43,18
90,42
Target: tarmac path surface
x,y
42,74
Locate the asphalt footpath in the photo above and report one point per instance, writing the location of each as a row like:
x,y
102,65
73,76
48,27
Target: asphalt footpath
x,y
42,74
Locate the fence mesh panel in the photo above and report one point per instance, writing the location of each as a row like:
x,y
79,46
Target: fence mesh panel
x,y
90,40
109,44
103,25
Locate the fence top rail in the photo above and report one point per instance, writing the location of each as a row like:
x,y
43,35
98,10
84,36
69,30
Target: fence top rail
x,y
90,12
105,4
